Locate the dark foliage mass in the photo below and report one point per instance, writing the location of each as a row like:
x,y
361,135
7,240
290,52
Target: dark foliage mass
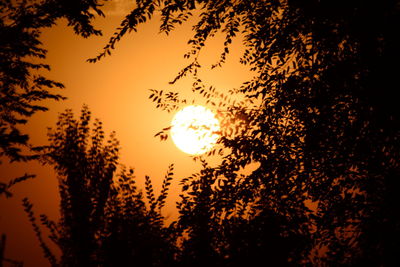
x,y
104,219
23,88
318,120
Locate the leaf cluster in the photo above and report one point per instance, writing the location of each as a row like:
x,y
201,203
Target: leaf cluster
x,y
104,217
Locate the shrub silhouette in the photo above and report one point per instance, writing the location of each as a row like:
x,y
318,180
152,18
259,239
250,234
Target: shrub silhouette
x,y
104,219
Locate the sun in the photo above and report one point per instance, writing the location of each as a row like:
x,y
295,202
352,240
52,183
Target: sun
x,y
195,130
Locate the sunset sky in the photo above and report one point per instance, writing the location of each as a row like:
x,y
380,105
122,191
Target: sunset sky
x,y
116,89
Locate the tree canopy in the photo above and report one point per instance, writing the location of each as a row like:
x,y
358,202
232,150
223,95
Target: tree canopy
x,y
105,219
319,117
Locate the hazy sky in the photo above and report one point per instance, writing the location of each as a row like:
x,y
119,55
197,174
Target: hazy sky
x,y
116,89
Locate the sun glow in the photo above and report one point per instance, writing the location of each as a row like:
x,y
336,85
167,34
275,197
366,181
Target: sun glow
x,y
195,130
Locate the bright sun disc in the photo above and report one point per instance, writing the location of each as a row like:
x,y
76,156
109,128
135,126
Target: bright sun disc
x,y
195,130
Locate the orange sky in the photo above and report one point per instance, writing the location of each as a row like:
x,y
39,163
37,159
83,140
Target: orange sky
x,y
116,91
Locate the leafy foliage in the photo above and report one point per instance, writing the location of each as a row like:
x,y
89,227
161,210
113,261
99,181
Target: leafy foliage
x,y
23,88
135,233
47,252
104,219
319,118
4,187
85,169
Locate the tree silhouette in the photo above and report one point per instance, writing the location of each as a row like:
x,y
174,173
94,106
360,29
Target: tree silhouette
x,y
104,219
319,120
23,88
319,117
20,87
136,235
